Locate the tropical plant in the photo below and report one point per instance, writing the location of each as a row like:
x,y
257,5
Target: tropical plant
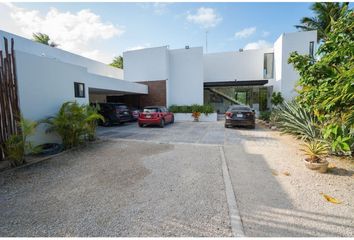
x,y
315,150
265,115
277,98
296,120
339,137
91,118
44,39
324,12
18,145
74,123
117,62
326,88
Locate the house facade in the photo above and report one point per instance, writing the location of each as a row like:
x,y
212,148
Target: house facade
x,y
48,77
189,76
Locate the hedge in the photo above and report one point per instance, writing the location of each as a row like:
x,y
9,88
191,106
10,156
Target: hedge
x,y
206,109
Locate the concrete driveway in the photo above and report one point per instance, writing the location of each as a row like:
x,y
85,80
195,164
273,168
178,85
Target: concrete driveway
x,y
187,179
190,132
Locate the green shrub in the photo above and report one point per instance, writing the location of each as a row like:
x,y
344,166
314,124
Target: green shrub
x,y
295,120
74,123
92,116
340,138
325,86
265,115
206,109
277,98
17,145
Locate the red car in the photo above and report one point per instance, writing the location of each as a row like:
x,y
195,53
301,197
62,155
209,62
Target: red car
x,y
155,115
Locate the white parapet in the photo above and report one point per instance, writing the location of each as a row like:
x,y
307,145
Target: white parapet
x,y
187,117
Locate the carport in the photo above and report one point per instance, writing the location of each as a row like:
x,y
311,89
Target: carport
x,y
106,89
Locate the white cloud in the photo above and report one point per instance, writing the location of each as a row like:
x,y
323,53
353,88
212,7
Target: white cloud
x,y
73,32
265,34
257,45
246,32
158,8
161,8
205,17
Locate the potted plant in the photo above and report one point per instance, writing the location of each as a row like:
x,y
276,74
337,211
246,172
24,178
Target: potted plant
x,y
316,150
196,116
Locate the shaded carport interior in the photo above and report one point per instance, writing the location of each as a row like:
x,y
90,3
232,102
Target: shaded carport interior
x,y
138,95
97,95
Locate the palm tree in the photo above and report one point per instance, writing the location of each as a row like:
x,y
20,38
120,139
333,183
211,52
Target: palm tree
x,y
117,62
44,39
324,13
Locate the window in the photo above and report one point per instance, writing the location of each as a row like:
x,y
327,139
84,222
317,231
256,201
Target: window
x,y
268,65
79,90
311,49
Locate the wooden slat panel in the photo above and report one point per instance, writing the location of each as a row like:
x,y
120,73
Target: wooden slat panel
x,y
9,101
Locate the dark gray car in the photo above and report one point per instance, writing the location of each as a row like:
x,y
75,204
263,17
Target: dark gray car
x,y
240,115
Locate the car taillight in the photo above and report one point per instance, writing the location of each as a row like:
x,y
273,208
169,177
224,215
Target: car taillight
x,y
228,115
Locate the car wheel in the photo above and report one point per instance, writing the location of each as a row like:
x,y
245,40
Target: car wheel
x,y
162,123
141,125
226,126
253,127
173,119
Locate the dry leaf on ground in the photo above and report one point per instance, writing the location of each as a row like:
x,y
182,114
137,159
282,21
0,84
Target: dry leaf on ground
x,y
331,199
286,173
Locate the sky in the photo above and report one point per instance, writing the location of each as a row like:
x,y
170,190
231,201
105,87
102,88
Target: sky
x,y
103,30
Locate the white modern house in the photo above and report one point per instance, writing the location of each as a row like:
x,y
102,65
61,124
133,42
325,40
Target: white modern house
x,y
249,76
49,76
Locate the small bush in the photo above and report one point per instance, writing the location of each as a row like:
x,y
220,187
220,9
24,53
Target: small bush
x,y
17,145
277,98
74,123
265,115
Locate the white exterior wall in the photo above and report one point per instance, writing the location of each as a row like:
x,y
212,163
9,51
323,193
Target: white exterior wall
x,y
42,90
45,84
38,49
290,42
278,63
228,66
185,82
149,64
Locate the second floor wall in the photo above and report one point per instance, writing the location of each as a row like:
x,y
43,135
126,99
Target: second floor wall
x,y
240,66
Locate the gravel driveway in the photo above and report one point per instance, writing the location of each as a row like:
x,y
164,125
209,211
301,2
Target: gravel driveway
x,y
169,182
118,188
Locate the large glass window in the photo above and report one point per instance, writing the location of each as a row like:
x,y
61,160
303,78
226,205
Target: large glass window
x,y
268,65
